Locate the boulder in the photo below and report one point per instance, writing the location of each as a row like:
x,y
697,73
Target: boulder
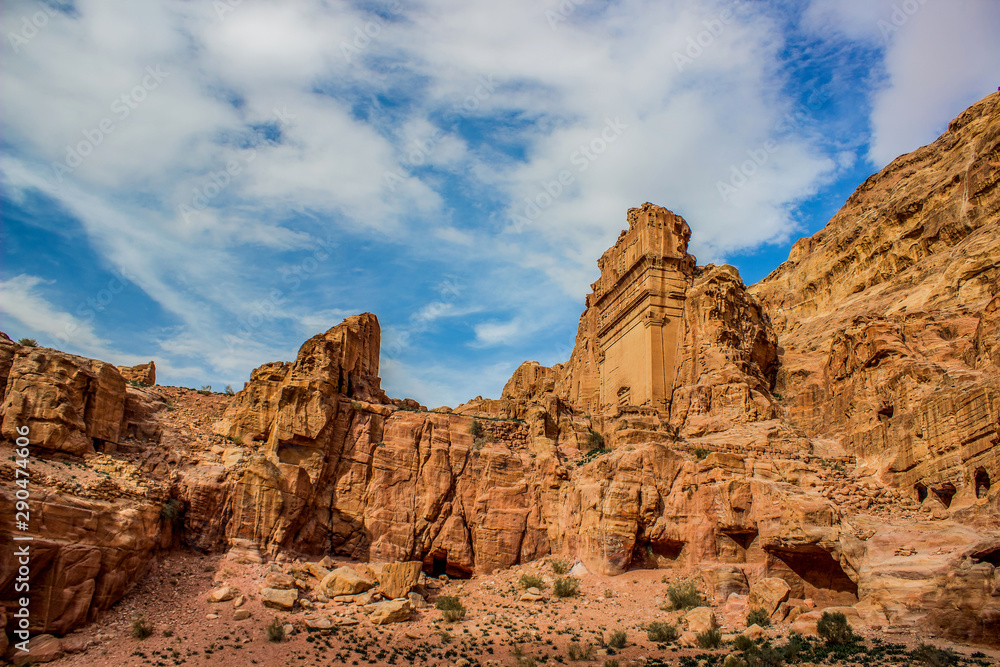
x,y
344,581
222,594
41,648
398,579
768,594
279,598
389,611
279,580
700,619
241,614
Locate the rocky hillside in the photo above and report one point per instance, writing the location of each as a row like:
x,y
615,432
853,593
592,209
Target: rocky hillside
x,y
888,317
831,431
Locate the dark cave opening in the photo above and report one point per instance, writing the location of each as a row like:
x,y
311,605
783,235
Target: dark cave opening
x,y
945,493
921,490
819,571
654,554
981,483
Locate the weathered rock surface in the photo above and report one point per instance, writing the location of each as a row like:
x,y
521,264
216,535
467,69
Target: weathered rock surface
x,y
143,373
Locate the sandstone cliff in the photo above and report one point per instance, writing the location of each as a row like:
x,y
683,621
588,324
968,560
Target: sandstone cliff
x,y
887,317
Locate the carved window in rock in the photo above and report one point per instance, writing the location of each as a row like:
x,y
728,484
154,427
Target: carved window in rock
x,y
624,396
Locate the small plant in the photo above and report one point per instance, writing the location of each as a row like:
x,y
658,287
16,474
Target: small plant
x,y
834,628
661,633
276,631
171,511
594,441
577,651
358,407
700,453
532,581
235,439
932,656
608,593
451,608
758,617
27,342
566,587
709,638
618,639
205,390
477,429
230,391
743,643
525,661
559,566
684,596
168,633
611,663
141,628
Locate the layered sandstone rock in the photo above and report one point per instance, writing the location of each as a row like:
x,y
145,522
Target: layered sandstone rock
x,y
143,373
887,317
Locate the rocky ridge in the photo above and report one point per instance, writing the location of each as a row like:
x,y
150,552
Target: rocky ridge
x,y
841,437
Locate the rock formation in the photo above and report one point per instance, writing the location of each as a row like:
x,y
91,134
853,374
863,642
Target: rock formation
x,y
830,433
141,374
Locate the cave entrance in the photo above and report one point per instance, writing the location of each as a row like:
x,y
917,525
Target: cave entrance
x,y
945,493
991,556
436,563
98,444
921,490
981,483
656,554
818,574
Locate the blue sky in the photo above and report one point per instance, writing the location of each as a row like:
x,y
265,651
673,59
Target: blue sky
x,y
207,184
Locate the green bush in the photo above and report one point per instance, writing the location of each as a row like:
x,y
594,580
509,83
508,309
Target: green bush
x,y
566,587
276,631
594,440
230,391
618,639
611,663
932,656
559,566
141,628
684,596
532,581
709,639
205,390
577,651
700,453
743,643
758,617
171,511
661,633
834,628
446,602
477,429
453,615
27,342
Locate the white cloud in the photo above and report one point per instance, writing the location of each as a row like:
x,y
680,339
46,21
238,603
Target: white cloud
x,y
940,57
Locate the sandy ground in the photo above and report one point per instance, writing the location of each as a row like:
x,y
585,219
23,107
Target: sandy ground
x,y
498,627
